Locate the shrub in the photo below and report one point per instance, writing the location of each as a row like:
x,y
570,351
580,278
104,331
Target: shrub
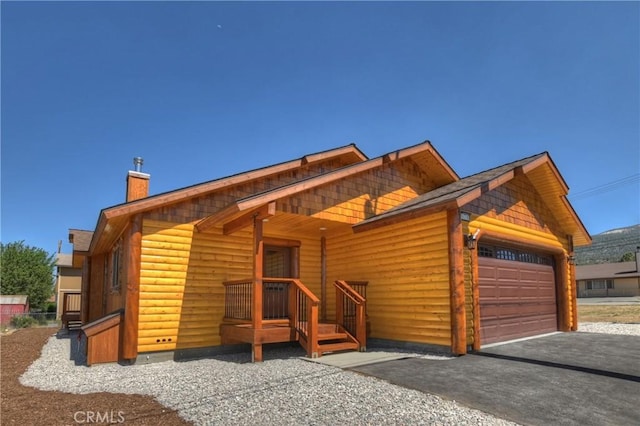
x,y
20,321
51,307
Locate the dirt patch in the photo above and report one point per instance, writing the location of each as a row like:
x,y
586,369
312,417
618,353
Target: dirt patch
x,y
609,313
23,405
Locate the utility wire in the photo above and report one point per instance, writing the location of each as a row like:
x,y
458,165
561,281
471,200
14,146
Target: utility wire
x,y
601,189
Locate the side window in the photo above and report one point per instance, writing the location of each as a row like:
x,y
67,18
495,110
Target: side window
x,y
116,266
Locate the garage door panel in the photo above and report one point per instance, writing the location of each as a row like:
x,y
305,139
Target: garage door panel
x,y
517,299
507,274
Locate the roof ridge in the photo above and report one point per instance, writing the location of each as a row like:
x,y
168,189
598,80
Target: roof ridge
x,y
531,157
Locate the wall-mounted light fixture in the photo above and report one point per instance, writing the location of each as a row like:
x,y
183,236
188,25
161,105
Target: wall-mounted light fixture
x,y
571,260
471,241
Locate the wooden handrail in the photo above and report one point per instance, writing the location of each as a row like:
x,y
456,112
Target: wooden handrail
x,y
314,299
237,282
304,316
357,309
350,292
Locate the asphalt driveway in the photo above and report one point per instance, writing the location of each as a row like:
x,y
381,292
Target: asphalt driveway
x,y
562,379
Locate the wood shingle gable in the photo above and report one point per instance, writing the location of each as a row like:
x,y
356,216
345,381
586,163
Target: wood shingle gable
x,y
112,220
374,185
539,169
227,199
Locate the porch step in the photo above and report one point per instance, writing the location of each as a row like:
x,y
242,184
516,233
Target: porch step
x,y
335,347
323,337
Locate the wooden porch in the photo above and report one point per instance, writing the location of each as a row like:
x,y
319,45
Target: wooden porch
x,y
71,310
275,310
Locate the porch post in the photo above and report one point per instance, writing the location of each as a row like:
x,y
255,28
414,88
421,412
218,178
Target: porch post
x,y
475,293
323,278
256,317
133,242
456,284
85,290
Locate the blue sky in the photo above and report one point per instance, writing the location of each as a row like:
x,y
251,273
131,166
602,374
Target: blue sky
x,y
203,90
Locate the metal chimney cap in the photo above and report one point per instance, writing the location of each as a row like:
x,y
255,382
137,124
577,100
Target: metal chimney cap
x,y
137,162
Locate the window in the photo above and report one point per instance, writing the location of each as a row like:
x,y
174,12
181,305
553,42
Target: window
x,y
116,266
599,284
514,255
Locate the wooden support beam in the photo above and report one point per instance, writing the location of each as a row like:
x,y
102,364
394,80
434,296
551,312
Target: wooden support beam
x,y
574,296
247,219
562,292
258,267
133,242
85,290
217,218
323,278
456,284
475,291
256,352
573,284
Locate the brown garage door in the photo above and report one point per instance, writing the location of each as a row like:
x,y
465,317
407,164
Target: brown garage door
x,y
517,294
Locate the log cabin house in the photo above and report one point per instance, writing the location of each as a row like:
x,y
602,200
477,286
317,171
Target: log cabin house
x,y
330,250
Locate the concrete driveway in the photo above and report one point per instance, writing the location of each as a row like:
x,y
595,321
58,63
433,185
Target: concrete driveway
x,y
561,379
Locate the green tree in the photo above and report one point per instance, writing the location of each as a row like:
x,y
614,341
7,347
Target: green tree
x,y
27,270
628,257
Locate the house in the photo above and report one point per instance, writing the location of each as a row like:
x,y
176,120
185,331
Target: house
x,y
68,284
609,279
331,250
12,305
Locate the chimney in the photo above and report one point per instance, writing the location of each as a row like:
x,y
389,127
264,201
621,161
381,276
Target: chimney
x,y
137,182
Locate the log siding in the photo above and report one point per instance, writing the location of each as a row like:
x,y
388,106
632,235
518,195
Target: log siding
x,y
407,267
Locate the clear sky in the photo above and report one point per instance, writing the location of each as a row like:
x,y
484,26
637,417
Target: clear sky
x,y
203,90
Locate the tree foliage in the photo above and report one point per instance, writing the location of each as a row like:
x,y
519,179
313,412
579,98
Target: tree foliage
x,y
628,257
27,270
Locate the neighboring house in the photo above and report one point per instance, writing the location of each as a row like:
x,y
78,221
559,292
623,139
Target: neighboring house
x,y
12,305
609,279
70,305
68,284
285,253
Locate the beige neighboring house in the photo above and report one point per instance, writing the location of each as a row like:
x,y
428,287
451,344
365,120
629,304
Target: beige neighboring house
x,y
68,280
621,279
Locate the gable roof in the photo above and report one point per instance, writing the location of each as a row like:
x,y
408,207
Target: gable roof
x,y
260,199
80,239
355,160
607,271
463,191
64,259
13,299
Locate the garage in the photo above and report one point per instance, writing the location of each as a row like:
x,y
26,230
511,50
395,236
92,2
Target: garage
x,y
517,294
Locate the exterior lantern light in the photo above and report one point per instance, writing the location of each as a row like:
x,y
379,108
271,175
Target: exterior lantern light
x,y
471,241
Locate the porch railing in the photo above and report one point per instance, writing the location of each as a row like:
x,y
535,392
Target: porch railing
x,y
351,312
282,299
70,309
275,299
305,317
237,299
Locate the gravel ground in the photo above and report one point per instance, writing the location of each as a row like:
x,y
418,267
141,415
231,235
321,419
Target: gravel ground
x,y
610,328
284,390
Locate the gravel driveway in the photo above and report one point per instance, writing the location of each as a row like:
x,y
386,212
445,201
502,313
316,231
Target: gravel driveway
x,y
284,389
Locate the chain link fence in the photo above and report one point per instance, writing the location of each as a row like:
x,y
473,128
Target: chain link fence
x,y
32,319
